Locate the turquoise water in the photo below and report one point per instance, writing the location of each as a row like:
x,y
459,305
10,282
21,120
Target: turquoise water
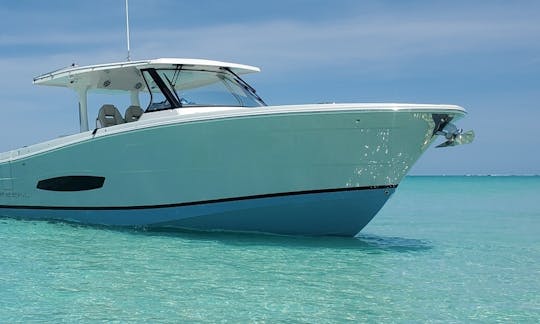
x,y
448,249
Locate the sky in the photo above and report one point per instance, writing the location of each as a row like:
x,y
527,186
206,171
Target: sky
x,y
481,55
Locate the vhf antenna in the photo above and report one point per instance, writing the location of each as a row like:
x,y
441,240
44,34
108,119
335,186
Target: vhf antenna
x,y
127,31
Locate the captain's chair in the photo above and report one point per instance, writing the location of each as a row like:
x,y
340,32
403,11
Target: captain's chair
x,y
133,113
108,116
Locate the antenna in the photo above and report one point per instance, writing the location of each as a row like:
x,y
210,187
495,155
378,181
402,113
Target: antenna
x,y
127,31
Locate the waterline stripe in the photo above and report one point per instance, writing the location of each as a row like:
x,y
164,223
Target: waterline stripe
x,y
211,201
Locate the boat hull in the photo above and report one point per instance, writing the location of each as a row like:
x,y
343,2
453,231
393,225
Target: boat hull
x,y
306,170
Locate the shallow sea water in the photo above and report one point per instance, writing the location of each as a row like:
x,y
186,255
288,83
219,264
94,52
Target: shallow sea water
x,y
444,249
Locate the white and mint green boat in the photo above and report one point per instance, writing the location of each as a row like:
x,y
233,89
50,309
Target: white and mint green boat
x,y
208,154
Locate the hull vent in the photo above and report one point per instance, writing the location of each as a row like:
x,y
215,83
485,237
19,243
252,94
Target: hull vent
x,y
71,183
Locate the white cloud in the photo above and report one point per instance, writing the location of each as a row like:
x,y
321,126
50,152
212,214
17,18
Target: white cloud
x,y
293,44
54,38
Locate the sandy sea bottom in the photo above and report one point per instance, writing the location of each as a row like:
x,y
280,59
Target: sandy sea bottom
x,y
449,249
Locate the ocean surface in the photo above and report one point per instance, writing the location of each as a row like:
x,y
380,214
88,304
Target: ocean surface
x,y
443,249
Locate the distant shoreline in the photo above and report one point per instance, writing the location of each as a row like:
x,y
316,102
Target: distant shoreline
x,y
473,175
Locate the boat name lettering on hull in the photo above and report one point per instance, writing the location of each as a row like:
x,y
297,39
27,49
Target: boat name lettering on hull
x,y
13,194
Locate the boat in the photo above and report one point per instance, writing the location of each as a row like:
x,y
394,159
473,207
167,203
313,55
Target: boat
x,y
206,153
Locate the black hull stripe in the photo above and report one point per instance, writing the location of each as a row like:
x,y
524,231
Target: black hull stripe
x,y
212,201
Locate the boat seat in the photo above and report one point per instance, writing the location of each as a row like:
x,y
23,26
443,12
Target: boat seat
x,y
109,116
133,113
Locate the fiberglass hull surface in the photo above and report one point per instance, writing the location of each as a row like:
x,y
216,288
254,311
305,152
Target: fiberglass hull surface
x,y
341,213
306,173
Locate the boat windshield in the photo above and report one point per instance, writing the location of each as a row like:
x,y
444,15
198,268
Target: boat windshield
x,y
182,87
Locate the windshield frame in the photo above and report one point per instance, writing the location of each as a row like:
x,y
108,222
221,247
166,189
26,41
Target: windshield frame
x,y
170,92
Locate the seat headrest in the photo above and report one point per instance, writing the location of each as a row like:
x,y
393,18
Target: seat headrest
x,y
133,113
108,109
108,116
